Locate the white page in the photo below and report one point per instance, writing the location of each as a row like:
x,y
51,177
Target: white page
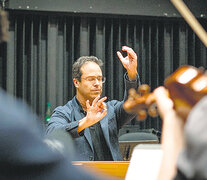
x,y
145,162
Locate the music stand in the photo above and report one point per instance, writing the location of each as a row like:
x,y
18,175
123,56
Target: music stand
x,y
126,147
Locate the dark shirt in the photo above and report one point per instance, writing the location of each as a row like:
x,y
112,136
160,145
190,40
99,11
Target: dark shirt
x,y
101,150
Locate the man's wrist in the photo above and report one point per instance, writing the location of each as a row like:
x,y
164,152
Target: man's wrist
x,y
81,125
131,77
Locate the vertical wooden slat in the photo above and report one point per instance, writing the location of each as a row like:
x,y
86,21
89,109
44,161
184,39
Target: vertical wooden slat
x,y
70,44
182,44
168,63
116,64
60,62
36,62
138,46
3,66
24,61
118,67
65,64
11,58
191,47
99,39
42,67
154,63
99,42
109,57
84,37
20,41
77,37
51,62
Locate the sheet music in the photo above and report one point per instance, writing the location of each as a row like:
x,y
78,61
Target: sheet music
x,y
145,162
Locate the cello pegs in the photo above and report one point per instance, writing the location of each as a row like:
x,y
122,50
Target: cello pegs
x,y
142,115
202,69
144,89
152,110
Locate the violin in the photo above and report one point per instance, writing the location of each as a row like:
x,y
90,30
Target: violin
x,y
186,86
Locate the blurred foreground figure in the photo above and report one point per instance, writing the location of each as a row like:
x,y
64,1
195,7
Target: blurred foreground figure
x,y
23,153
184,144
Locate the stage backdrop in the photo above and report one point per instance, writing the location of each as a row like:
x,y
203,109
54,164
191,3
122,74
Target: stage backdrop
x,y
36,62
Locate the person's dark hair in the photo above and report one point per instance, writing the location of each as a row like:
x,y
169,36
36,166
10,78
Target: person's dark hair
x,y
4,26
76,72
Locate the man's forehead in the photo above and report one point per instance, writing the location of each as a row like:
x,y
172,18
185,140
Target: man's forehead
x,y
91,68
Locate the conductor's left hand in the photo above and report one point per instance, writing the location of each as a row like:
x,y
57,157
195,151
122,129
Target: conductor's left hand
x,y
129,62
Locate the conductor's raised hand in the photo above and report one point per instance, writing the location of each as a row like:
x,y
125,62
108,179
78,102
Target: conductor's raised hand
x,y
129,62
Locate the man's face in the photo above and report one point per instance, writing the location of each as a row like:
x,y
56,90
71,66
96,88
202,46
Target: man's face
x,y
90,85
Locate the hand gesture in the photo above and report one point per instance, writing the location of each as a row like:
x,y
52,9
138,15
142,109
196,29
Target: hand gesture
x,y
129,62
96,111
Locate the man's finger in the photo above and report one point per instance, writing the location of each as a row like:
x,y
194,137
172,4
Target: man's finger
x,y
120,56
87,104
101,101
104,105
95,100
129,50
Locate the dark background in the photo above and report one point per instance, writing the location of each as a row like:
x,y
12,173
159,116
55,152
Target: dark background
x,y
46,37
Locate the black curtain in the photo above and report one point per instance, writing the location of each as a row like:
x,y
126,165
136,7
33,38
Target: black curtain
x,y
36,62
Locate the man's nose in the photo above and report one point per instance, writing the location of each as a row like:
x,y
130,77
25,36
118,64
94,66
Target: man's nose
x,y
97,81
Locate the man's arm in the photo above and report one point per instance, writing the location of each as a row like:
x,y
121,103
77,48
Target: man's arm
x,y
60,121
95,112
131,79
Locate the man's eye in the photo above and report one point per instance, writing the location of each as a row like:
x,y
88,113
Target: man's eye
x,y
91,79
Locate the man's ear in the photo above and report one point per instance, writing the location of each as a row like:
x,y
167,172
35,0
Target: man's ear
x,y
76,82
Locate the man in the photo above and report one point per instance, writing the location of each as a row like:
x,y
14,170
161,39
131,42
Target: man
x,y
93,124
23,153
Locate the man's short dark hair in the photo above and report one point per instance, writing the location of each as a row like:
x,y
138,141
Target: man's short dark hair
x,y
76,72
